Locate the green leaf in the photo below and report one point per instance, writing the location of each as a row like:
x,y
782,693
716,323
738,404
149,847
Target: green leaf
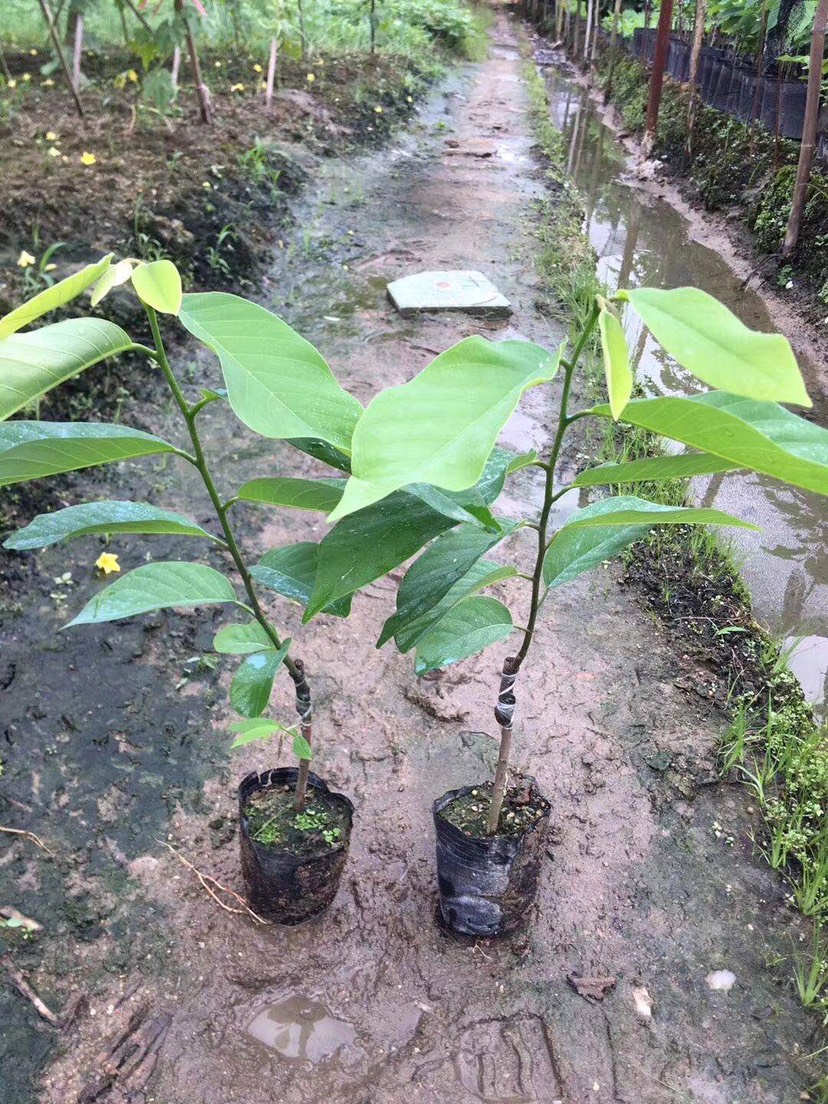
x,y
252,685
431,577
466,506
467,629
242,639
762,437
113,277
156,586
522,460
574,551
292,571
278,384
301,747
101,517
257,728
321,450
441,427
654,470
616,361
53,297
711,342
33,450
158,284
33,363
301,494
630,510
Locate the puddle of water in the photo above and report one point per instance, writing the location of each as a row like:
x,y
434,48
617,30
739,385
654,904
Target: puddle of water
x,y
643,241
303,1030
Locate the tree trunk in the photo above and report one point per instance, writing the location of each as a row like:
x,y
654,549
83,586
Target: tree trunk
x,y
58,45
616,15
300,9
595,31
806,151
78,51
587,32
205,109
176,68
271,70
665,23
693,77
760,65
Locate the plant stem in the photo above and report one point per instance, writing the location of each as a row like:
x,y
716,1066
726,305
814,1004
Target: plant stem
x,y
295,668
513,664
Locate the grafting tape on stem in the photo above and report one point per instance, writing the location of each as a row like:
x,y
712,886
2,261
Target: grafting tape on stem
x,y
304,705
506,700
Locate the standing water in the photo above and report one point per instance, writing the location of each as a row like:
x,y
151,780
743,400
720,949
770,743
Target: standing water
x,y
640,241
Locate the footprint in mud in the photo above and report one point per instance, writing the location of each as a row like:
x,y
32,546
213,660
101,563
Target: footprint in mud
x,y
303,1030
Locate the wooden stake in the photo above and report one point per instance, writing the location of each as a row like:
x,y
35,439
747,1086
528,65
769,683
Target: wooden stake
x,y
176,67
806,150
271,71
78,51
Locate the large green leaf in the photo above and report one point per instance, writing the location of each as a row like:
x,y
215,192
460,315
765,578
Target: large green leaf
x,y
33,363
102,517
617,369
467,629
278,384
431,577
574,551
33,450
441,426
761,436
654,469
158,284
468,505
252,684
53,297
242,639
630,510
155,586
711,342
301,494
482,574
291,571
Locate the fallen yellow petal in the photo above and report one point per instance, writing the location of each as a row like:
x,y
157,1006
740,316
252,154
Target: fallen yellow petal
x,y
257,68
51,136
107,563
310,78
88,158
54,151
25,260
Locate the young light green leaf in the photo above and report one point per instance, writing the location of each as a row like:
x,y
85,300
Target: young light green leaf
x,y
574,551
252,685
113,277
301,747
102,517
291,571
655,469
33,363
53,297
451,556
257,728
616,361
467,629
301,494
711,342
158,284
521,461
155,586
33,450
762,437
630,510
242,639
441,426
278,384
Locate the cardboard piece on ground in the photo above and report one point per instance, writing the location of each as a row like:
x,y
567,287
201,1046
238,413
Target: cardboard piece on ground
x,y
470,292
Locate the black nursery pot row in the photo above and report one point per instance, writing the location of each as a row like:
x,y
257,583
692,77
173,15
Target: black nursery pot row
x,y
487,885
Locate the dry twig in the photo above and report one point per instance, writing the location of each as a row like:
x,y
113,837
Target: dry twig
x,y
23,987
210,885
30,836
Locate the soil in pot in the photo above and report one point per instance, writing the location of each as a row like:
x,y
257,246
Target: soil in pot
x,y
488,884
292,859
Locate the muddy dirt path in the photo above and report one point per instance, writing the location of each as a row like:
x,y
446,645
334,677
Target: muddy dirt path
x,y
651,883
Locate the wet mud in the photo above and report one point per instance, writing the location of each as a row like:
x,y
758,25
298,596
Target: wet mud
x,y
650,883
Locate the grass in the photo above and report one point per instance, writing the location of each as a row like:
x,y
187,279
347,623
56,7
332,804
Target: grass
x,y
773,743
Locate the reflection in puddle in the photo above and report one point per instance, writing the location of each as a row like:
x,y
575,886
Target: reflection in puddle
x,y
642,241
303,1030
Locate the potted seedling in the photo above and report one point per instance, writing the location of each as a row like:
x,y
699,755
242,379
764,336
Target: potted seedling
x,y
442,427
294,832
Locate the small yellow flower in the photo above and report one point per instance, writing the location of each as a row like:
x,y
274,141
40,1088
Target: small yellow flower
x,y
12,83
33,52
54,151
310,78
378,109
133,76
207,186
88,158
51,136
25,260
217,64
410,99
257,68
48,83
107,563
237,87
26,77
